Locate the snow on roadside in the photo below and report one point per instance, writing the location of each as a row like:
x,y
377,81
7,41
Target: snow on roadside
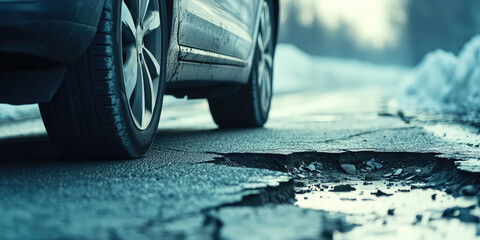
x,y
445,82
15,113
295,70
22,112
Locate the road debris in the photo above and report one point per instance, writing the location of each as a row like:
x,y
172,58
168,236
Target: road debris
x,y
380,193
391,212
372,165
311,167
349,168
343,188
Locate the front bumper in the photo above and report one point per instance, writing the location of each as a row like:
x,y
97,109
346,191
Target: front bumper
x,y
57,30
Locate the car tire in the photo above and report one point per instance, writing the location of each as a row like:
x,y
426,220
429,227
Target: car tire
x,y
110,100
250,106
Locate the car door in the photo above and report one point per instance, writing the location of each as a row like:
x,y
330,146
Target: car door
x,y
225,27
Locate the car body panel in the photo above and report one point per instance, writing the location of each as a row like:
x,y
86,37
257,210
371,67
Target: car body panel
x,y
61,33
220,26
191,67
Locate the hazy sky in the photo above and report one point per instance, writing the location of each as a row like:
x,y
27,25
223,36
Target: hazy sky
x,y
373,22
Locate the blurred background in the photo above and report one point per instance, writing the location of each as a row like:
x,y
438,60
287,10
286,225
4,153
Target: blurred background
x,y
422,53
397,32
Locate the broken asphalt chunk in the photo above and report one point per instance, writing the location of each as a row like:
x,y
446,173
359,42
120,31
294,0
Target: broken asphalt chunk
x,y
380,193
391,212
349,168
343,188
378,165
372,164
318,165
311,167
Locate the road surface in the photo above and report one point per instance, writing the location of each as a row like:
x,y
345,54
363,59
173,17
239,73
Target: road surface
x,y
200,182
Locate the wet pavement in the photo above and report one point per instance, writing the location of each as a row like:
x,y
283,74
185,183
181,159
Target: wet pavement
x,y
278,182
399,212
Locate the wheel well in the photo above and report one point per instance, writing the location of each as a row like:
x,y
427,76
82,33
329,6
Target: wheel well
x,y
169,5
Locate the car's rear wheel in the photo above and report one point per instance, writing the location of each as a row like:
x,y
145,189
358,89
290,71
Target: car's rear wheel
x,y
110,101
250,106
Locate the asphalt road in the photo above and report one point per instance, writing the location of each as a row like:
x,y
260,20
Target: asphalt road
x,y
168,194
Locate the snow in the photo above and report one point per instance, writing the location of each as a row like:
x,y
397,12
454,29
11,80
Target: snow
x,y
297,71
15,113
445,82
31,111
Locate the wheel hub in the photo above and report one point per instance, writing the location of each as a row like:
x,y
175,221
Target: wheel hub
x,y
265,58
141,39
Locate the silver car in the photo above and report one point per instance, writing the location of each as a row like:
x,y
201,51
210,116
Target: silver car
x,y
100,68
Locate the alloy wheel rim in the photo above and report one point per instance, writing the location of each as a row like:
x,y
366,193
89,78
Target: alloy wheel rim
x,y
265,60
141,53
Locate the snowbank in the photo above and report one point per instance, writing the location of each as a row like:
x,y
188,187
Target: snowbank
x,y
298,71
445,82
13,113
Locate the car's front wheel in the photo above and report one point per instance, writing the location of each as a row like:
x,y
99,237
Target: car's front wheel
x,y
250,106
110,101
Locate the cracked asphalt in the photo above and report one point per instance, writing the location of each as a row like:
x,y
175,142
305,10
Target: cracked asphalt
x,y
169,194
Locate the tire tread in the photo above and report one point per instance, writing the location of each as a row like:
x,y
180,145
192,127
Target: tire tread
x,y
83,117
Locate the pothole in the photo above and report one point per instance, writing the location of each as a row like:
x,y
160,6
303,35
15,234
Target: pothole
x,y
383,194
